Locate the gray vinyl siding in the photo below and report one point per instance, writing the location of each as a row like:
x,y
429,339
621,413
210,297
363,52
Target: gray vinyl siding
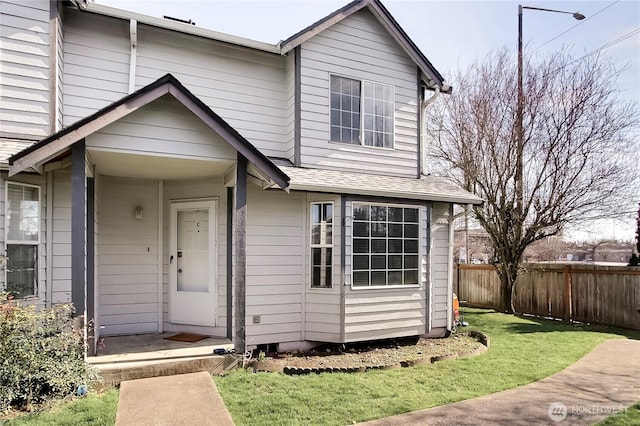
x,y
61,240
245,87
163,128
127,273
358,47
322,306
96,63
439,264
24,74
380,313
209,188
274,266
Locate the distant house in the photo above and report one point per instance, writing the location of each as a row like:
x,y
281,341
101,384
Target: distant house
x,y
473,246
165,177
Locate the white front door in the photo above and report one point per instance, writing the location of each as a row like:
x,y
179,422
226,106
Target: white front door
x,y
192,263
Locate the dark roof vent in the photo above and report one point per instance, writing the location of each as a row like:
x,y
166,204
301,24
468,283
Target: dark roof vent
x,y
184,21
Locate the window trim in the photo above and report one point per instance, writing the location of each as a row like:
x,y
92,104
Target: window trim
x,y
361,124
331,262
420,253
37,292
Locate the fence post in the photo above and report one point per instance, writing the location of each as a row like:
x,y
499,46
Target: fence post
x,y
567,293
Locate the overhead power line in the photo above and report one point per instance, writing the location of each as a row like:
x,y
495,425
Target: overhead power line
x,y
606,46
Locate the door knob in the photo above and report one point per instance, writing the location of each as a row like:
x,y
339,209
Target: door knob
x,y
180,270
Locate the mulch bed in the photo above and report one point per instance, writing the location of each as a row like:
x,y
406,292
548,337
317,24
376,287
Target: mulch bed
x,y
367,356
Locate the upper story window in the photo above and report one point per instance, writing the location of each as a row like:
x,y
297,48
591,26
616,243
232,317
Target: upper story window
x,y
385,245
23,238
362,112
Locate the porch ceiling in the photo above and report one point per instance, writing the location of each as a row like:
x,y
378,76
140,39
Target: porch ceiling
x,y
154,166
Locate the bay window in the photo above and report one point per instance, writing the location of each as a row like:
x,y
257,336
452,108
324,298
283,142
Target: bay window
x,y
321,244
385,245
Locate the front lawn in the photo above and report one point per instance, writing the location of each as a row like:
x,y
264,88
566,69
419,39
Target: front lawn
x,y
523,350
98,410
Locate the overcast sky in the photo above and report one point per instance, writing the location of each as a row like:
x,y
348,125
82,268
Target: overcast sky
x,y
452,34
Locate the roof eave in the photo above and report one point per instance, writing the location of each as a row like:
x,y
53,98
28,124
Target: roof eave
x,y
180,27
387,194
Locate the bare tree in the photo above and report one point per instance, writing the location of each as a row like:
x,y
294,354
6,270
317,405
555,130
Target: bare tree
x,y
576,156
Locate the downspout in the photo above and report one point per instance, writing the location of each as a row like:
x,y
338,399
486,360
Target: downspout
x,y
450,274
133,34
451,252
424,105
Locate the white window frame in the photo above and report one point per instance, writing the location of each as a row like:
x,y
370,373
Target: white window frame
x,y
419,253
322,245
361,125
36,243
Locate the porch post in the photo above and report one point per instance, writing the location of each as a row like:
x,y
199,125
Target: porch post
x,y
78,228
90,250
230,210
240,230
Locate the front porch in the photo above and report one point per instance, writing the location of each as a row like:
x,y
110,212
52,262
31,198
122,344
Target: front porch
x,y
146,202
121,358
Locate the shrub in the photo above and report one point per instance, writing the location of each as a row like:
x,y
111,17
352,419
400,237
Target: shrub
x,y
41,355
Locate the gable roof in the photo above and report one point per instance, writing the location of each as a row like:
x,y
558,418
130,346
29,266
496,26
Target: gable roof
x,y
43,151
431,76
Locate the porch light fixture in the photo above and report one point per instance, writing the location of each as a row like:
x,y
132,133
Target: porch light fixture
x,y
138,212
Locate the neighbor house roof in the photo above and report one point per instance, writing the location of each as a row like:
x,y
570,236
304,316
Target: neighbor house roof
x,y
429,188
39,153
430,75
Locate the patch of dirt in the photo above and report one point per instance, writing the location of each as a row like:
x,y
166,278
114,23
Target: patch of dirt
x,y
374,355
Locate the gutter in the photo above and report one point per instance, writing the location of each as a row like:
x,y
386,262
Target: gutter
x,y
373,193
178,26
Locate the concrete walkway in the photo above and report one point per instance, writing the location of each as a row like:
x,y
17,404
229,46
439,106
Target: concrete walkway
x,y
602,383
185,399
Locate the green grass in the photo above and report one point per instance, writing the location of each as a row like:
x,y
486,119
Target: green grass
x,y
94,410
628,417
523,350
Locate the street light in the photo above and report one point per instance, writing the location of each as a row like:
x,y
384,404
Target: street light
x,y
520,111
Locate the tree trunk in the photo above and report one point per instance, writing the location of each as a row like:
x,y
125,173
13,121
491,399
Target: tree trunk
x,y
507,282
505,305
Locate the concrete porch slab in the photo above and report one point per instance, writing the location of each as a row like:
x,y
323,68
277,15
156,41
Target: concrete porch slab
x,y
148,347
122,358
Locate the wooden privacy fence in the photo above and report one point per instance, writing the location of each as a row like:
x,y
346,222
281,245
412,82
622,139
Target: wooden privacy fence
x,y
608,295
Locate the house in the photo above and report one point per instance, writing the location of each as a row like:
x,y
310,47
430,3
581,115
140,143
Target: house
x,y
164,177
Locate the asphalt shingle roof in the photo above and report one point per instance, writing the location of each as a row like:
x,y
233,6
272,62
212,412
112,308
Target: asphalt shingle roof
x,y
430,188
